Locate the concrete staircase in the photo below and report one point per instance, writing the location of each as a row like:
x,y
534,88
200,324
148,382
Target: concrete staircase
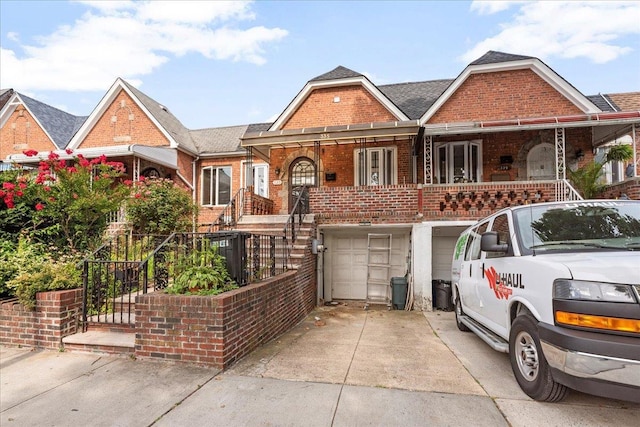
x,y
274,225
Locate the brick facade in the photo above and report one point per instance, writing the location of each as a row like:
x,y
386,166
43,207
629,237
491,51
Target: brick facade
x,y
355,105
57,314
219,330
124,123
22,132
503,95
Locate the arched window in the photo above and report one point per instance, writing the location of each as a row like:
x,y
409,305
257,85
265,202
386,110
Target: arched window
x,y
302,173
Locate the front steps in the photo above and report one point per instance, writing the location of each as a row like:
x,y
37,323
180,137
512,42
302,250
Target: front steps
x,y
101,341
274,224
110,336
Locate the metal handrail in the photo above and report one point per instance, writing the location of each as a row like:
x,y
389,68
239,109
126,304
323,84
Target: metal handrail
x,y
300,208
230,214
565,191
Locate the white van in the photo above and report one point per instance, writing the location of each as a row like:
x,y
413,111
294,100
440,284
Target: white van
x,y
557,286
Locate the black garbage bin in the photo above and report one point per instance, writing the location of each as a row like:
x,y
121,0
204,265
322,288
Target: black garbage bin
x,y
399,292
442,295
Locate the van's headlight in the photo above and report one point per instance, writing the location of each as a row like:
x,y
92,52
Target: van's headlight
x,y
593,291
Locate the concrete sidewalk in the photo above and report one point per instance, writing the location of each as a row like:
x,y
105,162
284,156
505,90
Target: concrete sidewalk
x,y
342,366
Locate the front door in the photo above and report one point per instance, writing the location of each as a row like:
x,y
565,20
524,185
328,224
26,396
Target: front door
x,y
302,174
541,162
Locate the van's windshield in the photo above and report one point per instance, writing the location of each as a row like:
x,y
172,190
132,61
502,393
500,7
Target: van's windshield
x,y
606,225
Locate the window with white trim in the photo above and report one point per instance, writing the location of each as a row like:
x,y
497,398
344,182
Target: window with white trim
x,y
216,185
376,166
458,161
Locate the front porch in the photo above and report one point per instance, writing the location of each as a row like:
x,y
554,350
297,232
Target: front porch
x,y
412,203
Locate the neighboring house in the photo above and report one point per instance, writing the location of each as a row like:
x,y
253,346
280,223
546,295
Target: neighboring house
x,y
418,161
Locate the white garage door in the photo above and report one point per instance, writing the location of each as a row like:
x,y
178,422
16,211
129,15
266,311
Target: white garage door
x,y
444,242
346,261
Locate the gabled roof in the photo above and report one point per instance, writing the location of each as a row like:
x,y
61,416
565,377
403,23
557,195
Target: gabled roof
x,y
499,61
58,125
603,102
415,98
337,73
224,140
165,121
628,101
339,76
493,57
5,95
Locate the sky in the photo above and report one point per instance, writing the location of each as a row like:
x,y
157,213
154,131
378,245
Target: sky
x,y
222,63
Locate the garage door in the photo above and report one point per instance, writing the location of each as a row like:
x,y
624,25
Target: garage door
x,y
444,242
346,261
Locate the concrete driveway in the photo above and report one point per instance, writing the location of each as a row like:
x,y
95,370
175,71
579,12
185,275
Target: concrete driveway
x,y
342,366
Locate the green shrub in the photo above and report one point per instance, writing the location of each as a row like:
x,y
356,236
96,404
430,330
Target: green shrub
x,y
158,206
27,268
202,272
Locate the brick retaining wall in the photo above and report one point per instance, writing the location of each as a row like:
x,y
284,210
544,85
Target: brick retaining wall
x,y
219,330
57,314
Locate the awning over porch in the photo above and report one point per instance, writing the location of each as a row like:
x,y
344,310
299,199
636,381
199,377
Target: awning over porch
x,y
606,126
164,156
261,142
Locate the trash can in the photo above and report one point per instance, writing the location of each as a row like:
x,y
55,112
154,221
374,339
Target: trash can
x,y
442,295
399,292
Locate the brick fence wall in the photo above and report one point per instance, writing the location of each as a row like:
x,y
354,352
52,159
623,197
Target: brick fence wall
x,y
57,314
628,187
219,330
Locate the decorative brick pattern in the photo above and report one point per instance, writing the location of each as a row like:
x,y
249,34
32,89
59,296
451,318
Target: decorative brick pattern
x,y
416,203
57,314
131,126
21,132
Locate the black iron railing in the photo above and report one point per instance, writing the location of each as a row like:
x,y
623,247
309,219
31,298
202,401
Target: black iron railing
x,y
230,214
133,265
296,217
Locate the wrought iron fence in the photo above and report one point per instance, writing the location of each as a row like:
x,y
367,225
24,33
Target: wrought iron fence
x,y
131,265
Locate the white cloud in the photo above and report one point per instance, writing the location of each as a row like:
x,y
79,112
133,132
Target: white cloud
x,y
131,39
489,7
557,29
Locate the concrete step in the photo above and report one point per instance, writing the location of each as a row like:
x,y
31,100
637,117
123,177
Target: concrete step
x,y
97,341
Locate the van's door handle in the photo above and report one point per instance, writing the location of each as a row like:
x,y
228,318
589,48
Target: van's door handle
x,y
483,270
470,267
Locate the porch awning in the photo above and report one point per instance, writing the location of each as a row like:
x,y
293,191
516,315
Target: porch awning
x,y
606,126
164,156
261,142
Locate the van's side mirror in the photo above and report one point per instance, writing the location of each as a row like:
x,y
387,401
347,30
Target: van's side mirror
x,y
490,242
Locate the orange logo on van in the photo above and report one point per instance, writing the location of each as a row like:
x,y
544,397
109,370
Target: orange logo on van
x,y
498,286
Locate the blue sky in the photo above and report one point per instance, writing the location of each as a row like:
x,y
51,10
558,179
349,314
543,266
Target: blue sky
x,y
228,63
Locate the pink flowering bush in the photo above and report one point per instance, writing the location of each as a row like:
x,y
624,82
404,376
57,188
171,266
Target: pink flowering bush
x,y
63,204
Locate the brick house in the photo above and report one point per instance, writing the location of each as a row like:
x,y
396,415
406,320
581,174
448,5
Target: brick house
x,y
415,161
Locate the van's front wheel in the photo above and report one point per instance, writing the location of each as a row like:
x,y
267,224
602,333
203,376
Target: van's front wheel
x,y
528,363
